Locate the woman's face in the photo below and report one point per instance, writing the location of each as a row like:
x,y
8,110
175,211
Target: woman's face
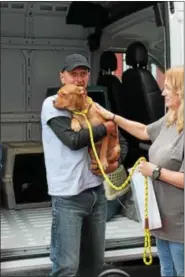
x,y
171,98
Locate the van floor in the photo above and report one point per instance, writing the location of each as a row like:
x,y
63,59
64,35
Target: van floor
x,y
27,231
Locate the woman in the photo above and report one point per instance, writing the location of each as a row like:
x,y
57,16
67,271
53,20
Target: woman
x,y
166,166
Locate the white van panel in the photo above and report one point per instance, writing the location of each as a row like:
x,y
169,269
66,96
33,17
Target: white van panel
x,y
13,132
12,80
17,19
34,40
35,131
38,20
55,27
176,21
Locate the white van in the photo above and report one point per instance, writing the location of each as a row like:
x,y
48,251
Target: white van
x,y
35,38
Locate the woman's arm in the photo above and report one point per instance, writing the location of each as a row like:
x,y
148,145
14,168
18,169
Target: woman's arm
x,y
174,178
136,129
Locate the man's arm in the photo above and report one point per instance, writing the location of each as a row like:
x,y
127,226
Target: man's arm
x,y
61,126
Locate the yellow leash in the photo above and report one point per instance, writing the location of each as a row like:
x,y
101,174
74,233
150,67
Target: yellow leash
x,y
147,254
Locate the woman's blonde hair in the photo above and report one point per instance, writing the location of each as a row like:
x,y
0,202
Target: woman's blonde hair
x,y
175,78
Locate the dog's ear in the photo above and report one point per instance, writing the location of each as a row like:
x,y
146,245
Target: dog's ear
x,y
59,92
62,91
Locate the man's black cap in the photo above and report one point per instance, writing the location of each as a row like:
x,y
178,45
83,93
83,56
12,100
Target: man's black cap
x,y
75,60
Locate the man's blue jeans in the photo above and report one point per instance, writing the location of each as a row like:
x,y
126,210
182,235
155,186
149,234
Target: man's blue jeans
x,y
171,256
78,234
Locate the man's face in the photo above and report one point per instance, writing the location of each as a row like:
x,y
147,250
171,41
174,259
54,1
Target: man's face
x,y
78,76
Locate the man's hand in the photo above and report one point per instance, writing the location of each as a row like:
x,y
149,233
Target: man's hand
x,y
111,168
110,126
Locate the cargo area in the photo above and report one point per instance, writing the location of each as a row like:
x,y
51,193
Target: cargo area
x,y
27,232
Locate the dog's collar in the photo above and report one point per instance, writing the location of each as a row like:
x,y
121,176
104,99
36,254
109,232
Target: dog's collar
x,y
85,111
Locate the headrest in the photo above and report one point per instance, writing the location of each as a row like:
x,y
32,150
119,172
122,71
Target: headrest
x,y
137,55
108,61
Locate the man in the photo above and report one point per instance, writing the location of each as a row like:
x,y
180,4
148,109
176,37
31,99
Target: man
x,y
78,199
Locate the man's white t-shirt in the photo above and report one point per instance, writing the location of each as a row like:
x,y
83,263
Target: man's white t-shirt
x,y
68,171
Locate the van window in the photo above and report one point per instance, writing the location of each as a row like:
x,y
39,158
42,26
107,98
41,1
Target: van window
x,y
158,74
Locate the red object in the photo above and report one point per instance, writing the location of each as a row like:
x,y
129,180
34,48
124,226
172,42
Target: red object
x,y
118,72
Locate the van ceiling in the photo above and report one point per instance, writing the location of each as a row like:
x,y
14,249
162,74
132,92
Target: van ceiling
x,y
100,14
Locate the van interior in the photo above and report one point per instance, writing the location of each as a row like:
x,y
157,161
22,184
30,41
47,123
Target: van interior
x,y
125,43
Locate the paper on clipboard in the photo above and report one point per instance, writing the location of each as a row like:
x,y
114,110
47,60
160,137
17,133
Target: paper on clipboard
x,y
137,186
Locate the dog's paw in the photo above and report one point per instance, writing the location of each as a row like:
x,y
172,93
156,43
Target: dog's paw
x,y
104,164
75,125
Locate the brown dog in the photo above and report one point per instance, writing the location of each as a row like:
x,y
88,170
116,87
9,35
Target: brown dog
x,y
74,98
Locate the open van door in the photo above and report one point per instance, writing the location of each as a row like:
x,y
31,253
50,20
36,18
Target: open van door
x,y
174,36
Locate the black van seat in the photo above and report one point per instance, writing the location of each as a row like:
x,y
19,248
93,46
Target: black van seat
x,y
141,96
108,63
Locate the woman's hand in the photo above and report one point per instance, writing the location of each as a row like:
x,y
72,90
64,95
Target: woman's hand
x,y
104,113
146,168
